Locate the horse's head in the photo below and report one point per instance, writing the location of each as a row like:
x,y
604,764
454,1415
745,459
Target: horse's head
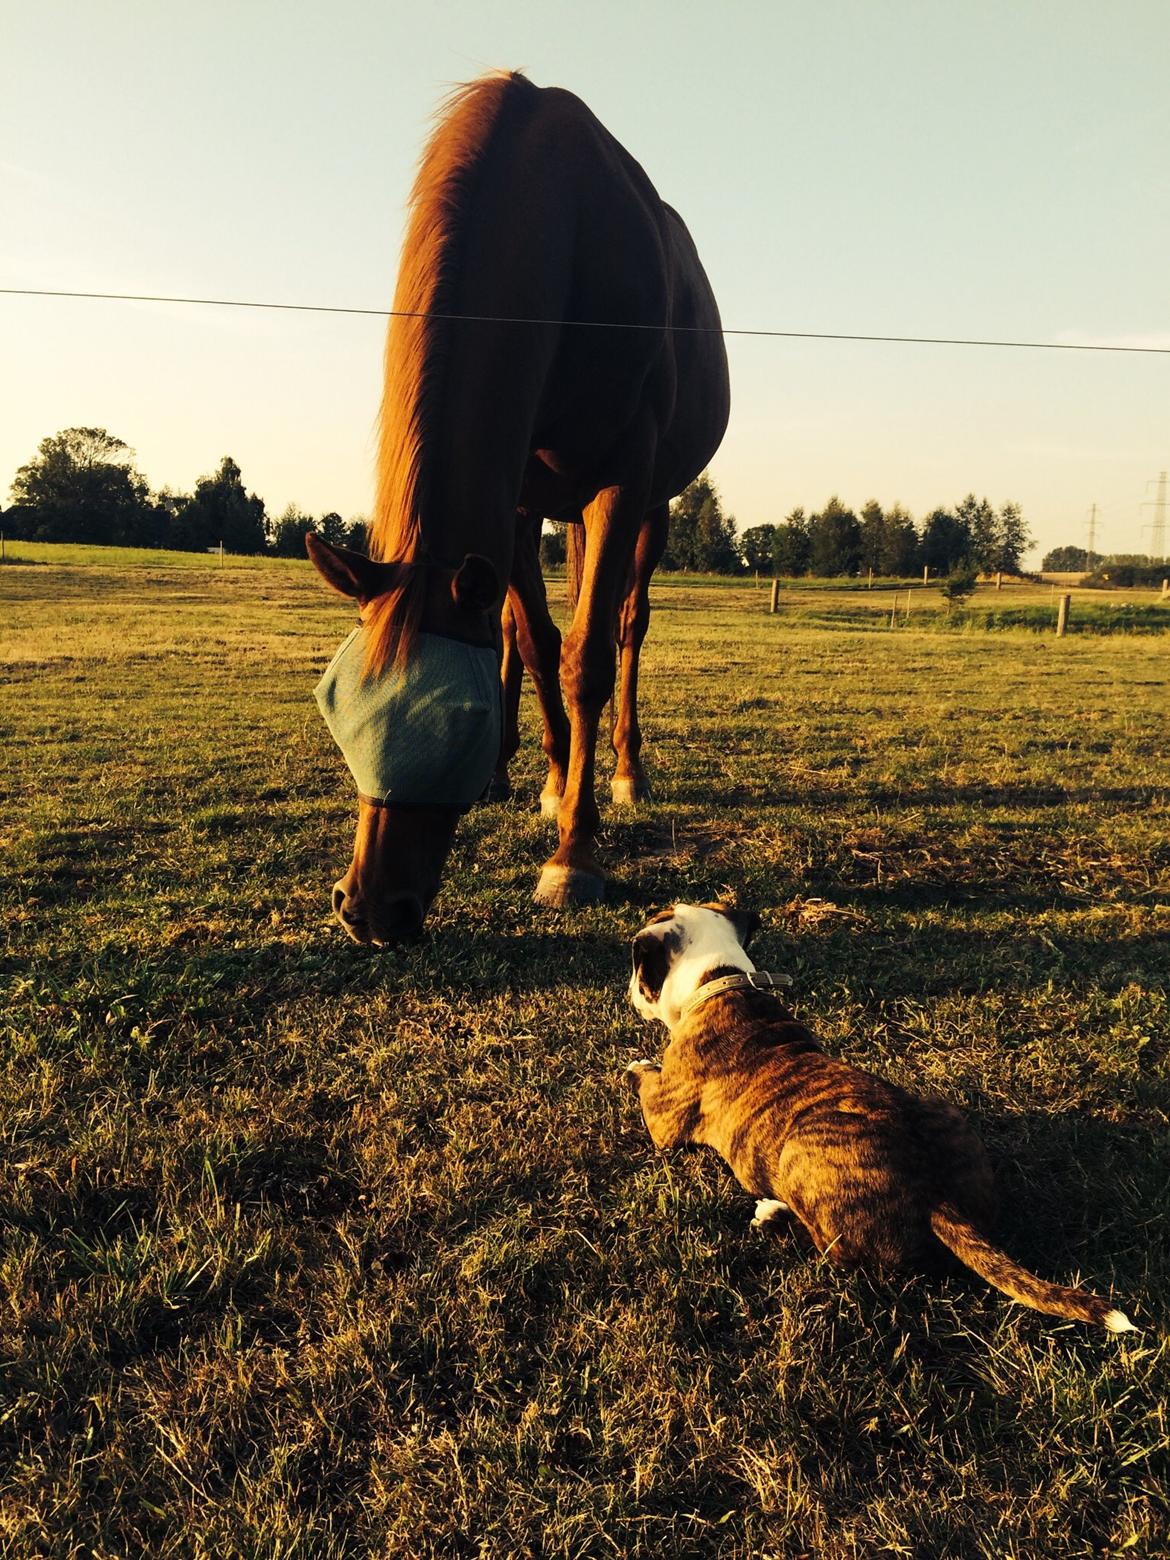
x,y
420,730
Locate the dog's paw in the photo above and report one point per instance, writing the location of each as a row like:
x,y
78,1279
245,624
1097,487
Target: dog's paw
x,y
768,1208
634,1071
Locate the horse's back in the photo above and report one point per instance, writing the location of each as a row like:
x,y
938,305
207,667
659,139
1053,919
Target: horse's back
x,y
633,263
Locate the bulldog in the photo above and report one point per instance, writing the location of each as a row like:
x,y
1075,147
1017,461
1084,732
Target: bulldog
x,y
880,1178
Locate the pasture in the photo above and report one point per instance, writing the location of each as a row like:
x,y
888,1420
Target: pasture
x,y
316,1251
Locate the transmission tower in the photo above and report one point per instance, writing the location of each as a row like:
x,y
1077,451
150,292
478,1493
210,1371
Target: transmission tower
x,y
1157,527
1092,537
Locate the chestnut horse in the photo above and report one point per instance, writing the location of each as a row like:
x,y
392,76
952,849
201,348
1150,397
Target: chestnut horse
x,y
555,351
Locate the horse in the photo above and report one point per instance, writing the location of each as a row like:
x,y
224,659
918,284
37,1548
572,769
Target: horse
x,y
554,350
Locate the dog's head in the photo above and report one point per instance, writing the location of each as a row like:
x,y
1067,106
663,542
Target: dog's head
x,y
681,947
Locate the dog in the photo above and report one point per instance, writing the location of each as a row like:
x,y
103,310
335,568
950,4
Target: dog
x,y
880,1178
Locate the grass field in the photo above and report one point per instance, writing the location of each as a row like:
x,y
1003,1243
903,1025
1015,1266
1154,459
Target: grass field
x,y
316,1251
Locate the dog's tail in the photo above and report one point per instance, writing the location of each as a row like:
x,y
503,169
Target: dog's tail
x,y
976,1252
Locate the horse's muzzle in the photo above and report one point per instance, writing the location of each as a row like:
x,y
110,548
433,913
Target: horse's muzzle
x,y
399,920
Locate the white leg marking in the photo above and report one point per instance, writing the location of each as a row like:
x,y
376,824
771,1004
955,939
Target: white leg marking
x,y
768,1208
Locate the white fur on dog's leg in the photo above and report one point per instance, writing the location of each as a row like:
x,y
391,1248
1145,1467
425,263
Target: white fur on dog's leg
x,y
768,1208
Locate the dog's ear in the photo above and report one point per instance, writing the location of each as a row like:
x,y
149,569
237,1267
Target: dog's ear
x,y
746,922
651,963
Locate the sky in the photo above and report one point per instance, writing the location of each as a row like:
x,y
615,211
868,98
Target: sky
x,y
889,167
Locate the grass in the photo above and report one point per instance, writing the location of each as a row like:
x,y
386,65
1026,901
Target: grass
x,y
312,1251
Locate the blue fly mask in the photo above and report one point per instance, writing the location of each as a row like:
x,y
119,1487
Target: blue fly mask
x,y
427,734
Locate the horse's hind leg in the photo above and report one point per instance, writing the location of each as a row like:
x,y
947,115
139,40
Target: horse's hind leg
x,y
629,783
511,677
539,642
612,524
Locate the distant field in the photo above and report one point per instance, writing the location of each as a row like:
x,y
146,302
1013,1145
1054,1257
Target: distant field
x,y
312,1251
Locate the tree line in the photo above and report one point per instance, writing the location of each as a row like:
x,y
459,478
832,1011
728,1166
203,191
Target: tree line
x,y
1116,569
836,541
82,486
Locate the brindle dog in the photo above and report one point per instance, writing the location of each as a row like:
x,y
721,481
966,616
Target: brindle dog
x,y
880,1178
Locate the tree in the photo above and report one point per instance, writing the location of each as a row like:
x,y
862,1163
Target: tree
x,y
288,534
1012,539
333,529
946,542
82,487
554,546
757,545
958,585
834,540
979,518
357,533
221,511
790,552
1065,560
872,532
899,555
701,536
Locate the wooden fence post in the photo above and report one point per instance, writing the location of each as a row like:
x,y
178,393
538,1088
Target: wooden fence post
x,y
1166,588
999,579
1062,616
925,572
775,603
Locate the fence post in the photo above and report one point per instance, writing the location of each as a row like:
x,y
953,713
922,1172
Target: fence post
x,y
906,619
1062,616
1166,588
925,572
999,579
894,610
869,585
775,602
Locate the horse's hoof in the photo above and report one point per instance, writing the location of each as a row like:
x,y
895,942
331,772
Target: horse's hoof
x,y
628,792
550,804
499,790
560,887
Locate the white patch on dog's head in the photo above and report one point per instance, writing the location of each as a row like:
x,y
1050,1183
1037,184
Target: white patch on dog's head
x,y
678,948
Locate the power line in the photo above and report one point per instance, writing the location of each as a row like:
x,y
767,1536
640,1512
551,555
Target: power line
x,y
504,319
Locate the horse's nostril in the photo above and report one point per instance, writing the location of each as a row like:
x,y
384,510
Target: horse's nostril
x,y
338,898
351,919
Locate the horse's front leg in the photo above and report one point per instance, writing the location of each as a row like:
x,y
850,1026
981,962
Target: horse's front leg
x,y
629,783
539,642
511,676
573,876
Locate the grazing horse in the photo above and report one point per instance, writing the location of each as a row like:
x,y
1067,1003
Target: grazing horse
x,y
555,351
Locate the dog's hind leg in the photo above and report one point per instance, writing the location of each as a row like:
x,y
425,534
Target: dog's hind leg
x,y
767,1209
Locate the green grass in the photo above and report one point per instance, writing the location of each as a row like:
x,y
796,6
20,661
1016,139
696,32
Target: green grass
x,y
313,1251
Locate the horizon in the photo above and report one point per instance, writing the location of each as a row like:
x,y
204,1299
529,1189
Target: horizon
x,y
993,174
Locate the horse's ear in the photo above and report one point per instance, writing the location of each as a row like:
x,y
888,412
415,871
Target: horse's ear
x,y
351,573
476,585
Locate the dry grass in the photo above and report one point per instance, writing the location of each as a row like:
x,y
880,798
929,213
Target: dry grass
x,y
315,1252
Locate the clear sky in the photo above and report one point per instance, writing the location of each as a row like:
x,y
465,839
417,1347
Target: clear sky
x,y
920,167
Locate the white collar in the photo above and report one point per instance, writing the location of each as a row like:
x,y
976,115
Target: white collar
x,y
757,980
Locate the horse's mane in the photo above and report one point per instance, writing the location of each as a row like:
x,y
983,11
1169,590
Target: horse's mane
x,y
417,350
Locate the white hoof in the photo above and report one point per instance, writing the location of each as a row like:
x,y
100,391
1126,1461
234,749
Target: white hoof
x,y
560,887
